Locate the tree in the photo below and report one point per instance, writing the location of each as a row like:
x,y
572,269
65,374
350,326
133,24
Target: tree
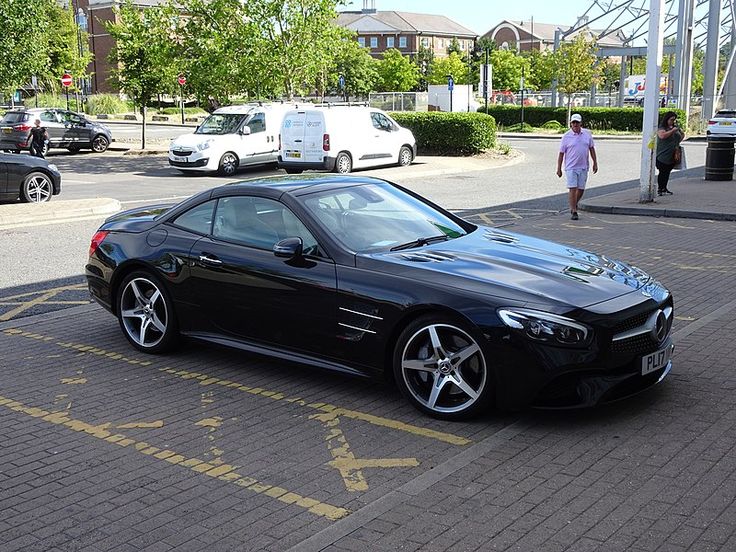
x,y
358,68
424,60
23,45
539,72
396,73
144,49
66,47
451,65
507,69
575,67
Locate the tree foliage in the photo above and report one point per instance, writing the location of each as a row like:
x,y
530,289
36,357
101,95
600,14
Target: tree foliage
x,y
358,68
507,69
396,73
575,66
451,65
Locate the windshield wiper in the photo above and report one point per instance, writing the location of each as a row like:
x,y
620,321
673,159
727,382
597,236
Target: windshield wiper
x,y
420,242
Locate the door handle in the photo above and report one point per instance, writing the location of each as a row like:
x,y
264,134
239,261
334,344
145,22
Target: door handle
x,y
204,258
298,141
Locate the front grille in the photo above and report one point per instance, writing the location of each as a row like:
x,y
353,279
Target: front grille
x,y
631,323
181,153
643,341
636,345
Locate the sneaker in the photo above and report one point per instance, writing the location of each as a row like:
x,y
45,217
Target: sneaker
x,y
574,215
667,192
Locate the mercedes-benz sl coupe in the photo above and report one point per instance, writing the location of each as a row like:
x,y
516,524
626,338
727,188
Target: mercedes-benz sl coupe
x,y
360,275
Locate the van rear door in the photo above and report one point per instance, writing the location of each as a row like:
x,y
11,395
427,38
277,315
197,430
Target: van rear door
x,y
315,137
292,136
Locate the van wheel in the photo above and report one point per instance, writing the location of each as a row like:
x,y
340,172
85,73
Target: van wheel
x,y
405,157
228,164
343,163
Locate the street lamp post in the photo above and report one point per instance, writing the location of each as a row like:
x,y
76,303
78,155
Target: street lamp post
x,y
80,18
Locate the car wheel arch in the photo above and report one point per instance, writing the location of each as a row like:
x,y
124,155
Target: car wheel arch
x,y
121,273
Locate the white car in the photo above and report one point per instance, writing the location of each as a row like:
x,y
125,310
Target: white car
x,y
723,123
343,138
230,138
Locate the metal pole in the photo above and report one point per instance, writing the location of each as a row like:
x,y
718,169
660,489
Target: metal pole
x,y
181,101
651,101
711,59
554,80
681,76
622,82
485,80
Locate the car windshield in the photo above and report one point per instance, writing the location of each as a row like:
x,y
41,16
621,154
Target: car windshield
x,y
13,117
373,217
724,113
220,124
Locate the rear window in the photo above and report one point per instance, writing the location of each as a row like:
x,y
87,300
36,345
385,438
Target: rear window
x,y
13,117
726,113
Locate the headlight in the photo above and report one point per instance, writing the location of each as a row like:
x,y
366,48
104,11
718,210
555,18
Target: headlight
x,y
204,145
53,167
548,328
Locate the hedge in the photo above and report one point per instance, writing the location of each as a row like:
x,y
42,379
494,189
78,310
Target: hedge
x,y
595,118
441,133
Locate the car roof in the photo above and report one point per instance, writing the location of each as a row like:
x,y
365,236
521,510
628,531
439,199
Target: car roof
x,y
276,186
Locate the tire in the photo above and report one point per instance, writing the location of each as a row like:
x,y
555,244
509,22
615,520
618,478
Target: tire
x,y
36,188
405,156
228,164
343,163
293,171
100,143
146,313
437,353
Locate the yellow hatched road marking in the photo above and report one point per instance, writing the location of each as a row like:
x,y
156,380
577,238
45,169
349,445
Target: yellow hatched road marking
x,y
223,472
42,296
273,395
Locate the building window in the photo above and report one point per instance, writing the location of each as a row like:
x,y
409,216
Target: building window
x,y
425,42
389,42
402,42
361,41
462,45
374,42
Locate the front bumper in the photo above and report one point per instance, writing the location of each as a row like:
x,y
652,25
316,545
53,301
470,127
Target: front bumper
x,y
193,161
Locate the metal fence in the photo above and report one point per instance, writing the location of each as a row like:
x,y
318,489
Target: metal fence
x,y
400,101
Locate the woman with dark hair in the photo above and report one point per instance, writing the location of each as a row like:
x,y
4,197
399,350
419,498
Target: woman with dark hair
x,y
669,137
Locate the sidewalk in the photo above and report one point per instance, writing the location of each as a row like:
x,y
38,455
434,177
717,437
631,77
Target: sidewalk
x,y
693,197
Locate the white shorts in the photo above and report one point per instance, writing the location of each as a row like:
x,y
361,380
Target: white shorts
x,y
577,178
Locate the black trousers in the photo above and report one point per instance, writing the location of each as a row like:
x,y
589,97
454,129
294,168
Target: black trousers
x,y
37,150
664,174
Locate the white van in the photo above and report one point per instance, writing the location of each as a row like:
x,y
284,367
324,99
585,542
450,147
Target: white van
x,y
232,137
342,138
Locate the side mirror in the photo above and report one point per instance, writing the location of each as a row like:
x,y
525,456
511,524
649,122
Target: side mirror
x,y
288,248
245,131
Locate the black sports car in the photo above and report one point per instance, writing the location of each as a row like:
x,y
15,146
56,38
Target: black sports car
x,y
31,179
360,275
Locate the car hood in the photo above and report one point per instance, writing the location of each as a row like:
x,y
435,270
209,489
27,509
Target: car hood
x,y
190,141
518,268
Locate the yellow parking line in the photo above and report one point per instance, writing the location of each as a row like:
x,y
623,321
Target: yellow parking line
x,y
206,380
43,297
224,472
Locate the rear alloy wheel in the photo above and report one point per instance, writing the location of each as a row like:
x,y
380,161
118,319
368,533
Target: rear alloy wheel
x,y
228,164
100,143
343,163
36,188
405,156
442,370
146,313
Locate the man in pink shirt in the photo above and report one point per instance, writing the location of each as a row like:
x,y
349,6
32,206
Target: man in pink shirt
x,y
575,146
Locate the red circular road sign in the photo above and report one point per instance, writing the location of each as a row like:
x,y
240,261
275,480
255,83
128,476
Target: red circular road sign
x,y
66,79
181,79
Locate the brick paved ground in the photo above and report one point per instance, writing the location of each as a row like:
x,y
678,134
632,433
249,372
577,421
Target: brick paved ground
x,y
208,449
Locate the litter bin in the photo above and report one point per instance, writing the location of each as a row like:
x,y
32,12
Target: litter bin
x,y
719,158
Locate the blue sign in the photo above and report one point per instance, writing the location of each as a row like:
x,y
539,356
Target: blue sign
x,y
450,83
341,81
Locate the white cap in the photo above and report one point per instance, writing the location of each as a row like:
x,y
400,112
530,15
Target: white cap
x,y
576,117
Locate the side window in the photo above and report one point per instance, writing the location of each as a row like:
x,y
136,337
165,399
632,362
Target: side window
x,y
380,121
197,219
374,42
48,117
402,42
257,123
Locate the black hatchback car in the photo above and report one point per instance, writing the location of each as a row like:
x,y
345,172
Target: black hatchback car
x,y
363,276
32,179
66,129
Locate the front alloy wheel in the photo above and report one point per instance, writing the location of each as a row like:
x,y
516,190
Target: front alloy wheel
x,y
145,314
441,369
228,164
37,188
100,143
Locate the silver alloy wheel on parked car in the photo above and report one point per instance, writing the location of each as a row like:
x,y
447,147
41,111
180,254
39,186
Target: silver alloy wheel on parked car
x,y
143,312
100,143
343,163
229,164
405,157
37,188
443,370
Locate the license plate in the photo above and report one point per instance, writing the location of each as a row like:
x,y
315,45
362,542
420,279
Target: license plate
x,y
180,159
655,361
294,154
725,123
7,130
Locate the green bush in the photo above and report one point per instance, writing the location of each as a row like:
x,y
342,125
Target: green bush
x,y
107,103
553,125
595,118
520,127
187,111
50,100
449,133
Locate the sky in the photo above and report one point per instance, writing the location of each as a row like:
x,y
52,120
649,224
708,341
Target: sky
x,y
481,15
